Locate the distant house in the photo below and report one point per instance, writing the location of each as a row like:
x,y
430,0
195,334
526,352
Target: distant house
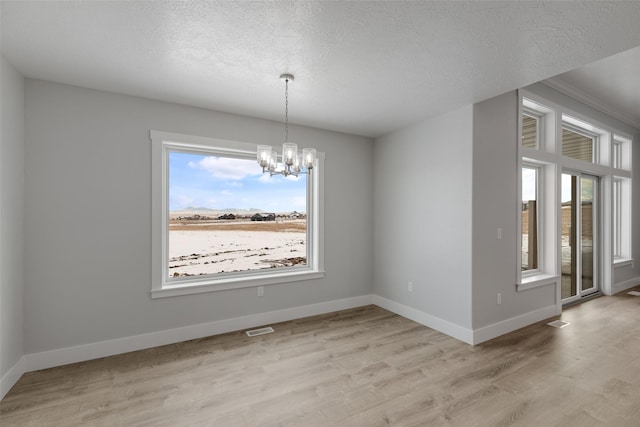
x,y
264,217
227,216
296,214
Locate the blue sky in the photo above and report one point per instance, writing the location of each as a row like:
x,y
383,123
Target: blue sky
x,y
222,182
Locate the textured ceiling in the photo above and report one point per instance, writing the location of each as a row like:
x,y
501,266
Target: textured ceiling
x,y
361,67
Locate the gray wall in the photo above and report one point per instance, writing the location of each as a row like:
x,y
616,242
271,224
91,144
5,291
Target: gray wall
x,y
620,274
422,199
495,139
11,214
87,217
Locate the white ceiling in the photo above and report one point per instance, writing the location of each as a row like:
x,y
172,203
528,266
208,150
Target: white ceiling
x,y
611,84
361,67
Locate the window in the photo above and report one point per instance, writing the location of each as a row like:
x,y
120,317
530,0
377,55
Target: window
x,y
529,218
220,223
617,218
556,142
617,154
577,144
621,214
226,216
621,200
530,130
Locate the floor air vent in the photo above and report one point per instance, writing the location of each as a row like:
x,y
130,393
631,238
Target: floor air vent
x,y
261,331
634,293
558,323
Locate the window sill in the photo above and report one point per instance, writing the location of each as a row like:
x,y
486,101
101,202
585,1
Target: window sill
x,y
227,283
536,281
622,262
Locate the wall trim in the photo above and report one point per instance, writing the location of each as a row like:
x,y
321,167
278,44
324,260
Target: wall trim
x,y
623,286
569,90
428,320
81,353
502,327
11,377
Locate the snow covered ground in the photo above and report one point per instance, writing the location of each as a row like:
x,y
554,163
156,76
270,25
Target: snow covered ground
x,y
197,252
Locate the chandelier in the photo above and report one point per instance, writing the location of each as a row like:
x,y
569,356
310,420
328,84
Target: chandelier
x,y
293,162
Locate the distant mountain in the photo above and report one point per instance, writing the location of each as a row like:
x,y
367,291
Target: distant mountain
x,y
210,211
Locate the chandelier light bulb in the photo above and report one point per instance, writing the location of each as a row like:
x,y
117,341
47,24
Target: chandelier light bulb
x,y
289,153
264,155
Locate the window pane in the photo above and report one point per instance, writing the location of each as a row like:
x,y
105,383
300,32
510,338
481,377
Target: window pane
x,y
227,216
588,224
529,131
617,154
617,219
577,146
568,238
529,219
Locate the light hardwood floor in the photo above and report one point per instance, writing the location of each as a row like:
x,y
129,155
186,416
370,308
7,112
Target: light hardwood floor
x,y
359,367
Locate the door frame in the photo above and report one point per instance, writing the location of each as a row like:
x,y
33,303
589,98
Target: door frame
x,y
597,247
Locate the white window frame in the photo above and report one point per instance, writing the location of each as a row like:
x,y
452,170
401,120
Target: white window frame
x,y
555,117
617,218
161,285
621,216
595,140
539,218
542,158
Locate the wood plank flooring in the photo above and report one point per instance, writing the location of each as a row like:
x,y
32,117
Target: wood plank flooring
x,y
359,367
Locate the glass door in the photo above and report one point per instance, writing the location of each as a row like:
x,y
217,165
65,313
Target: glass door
x,y
579,236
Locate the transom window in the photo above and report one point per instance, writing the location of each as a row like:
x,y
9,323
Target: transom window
x,y
577,144
530,130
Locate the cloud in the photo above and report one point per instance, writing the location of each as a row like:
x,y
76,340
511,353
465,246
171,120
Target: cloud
x,y
268,179
227,168
226,193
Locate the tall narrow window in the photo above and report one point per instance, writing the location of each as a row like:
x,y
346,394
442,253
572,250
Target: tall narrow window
x,y
530,222
617,218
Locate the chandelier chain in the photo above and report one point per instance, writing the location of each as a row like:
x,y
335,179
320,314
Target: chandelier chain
x,y
286,110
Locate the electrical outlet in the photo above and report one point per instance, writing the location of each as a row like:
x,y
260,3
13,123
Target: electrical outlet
x,y
260,291
410,287
499,233
499,298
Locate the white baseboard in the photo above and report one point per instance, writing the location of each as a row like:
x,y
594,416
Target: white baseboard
x,y
11,377
508,325
469,336
433,322
80,353
623,286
